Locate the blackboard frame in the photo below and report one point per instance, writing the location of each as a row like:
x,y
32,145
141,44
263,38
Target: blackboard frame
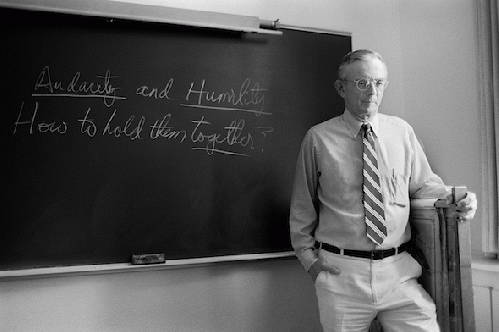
x,y
111,10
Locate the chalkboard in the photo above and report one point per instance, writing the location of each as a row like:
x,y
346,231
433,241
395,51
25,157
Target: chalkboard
x,y
126,137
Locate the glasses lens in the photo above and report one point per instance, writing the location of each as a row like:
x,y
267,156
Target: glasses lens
x,y
381,84
362,84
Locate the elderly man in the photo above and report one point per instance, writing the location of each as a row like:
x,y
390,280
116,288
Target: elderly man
x,y
355,176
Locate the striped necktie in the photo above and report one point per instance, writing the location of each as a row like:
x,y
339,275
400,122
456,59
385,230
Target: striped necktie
x,y
372,196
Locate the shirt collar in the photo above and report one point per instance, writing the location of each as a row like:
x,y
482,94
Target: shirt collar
x,y
354,125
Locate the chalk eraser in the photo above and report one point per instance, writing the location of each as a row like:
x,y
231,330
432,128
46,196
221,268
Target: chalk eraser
x,y
144,259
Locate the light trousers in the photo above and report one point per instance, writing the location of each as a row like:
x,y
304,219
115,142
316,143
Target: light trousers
x,y
386,288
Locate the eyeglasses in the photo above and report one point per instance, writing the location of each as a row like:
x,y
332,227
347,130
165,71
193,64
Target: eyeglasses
x,y
364,83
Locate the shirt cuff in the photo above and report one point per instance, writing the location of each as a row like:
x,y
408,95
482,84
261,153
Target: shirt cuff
x,y
307,258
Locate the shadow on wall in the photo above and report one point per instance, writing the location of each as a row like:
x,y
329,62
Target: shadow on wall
x,y
271,295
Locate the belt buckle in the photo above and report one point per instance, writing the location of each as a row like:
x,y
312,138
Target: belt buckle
x,y
379,254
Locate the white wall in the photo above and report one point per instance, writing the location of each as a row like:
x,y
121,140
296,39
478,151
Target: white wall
x,y
429,47
225,297
440,88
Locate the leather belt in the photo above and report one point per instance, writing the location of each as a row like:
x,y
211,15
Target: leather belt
x,y
374,255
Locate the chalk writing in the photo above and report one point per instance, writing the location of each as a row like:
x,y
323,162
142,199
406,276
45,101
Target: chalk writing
x,y
145,91
233,136
266,130
247,95
87,125
124,130
43,127
77,88
161,129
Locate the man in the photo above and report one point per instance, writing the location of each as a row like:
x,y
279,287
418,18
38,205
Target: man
x,y
355,176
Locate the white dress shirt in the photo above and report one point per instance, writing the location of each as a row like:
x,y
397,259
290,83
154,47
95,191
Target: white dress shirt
x,y
326,204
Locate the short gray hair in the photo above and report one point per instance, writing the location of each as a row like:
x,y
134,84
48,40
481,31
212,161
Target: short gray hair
x,y
362,54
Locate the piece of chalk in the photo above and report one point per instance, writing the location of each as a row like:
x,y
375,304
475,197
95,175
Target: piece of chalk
x,y
144,259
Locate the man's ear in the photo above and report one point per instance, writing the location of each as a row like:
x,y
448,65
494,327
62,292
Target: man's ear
x,y
340,87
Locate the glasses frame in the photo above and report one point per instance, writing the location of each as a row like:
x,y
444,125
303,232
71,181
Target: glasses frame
x,y
369,82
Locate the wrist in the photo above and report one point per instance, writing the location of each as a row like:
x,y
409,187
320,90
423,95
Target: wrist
x,y
315,268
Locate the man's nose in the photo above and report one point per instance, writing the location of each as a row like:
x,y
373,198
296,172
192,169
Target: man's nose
x,y
371,88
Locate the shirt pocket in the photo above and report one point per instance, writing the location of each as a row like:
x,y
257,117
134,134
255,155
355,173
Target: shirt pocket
x,y
399,189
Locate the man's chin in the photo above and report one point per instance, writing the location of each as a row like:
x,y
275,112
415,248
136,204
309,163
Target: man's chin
x,y
367,115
